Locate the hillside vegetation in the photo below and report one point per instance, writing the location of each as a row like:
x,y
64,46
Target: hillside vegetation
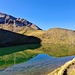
x,y
54,35
24,27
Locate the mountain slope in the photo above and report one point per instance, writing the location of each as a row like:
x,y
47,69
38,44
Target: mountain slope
x,y
55,35
8,38
24,27
11,23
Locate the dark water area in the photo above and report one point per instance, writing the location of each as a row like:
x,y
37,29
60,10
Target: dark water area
x,y
41,64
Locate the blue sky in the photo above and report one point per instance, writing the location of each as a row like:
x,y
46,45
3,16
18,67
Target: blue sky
x,y
44,13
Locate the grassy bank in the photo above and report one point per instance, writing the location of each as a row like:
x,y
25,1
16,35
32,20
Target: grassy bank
x,y
63,70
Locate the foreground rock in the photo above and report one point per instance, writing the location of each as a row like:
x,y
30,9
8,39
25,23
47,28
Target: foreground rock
x,y
67,69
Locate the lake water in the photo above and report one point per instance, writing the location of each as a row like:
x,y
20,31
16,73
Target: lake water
x,y
41,64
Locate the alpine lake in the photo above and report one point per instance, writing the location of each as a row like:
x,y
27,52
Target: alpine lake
x,y
34,59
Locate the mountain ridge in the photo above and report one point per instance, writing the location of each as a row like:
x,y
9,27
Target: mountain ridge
x,y
53,35
11,23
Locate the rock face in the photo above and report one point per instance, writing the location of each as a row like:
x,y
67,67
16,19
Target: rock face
x,y
11,23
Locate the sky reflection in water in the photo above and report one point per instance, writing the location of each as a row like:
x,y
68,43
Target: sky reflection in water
x,y
42,64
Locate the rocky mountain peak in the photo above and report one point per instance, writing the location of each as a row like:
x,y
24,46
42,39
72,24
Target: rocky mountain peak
x,y
10,22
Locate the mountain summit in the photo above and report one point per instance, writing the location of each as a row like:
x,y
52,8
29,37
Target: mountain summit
x,y
11,23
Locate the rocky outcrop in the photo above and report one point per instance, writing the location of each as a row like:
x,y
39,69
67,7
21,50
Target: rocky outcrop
x,y
67,69
9,22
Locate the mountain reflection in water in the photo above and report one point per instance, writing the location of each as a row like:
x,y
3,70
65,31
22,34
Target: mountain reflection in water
x,y
42,64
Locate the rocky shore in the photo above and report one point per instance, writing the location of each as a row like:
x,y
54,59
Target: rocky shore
x,y
67,69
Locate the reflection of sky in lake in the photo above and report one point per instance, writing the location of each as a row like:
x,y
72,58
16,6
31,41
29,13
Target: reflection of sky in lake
x,y
42,64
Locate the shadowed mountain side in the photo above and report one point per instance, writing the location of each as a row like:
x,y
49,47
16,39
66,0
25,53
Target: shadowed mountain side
x,y
8,38
67,69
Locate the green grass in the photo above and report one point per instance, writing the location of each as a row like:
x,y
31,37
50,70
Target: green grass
x,y
18,54
55,35
72,72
